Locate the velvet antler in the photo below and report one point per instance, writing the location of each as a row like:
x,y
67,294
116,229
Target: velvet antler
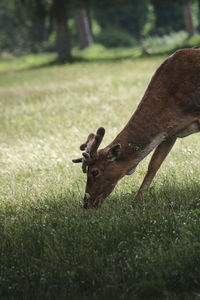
x,y
90,146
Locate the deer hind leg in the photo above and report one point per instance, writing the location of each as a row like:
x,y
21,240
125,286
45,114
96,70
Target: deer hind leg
x,y
158,157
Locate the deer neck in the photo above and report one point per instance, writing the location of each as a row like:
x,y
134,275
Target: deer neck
x,y
146,129
133,152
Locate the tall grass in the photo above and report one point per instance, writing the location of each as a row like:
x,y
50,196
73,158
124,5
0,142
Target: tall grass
x,y
50,247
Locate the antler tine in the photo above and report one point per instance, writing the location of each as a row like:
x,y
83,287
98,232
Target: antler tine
x,y
77,160
97,140
90,147
85,145
93,141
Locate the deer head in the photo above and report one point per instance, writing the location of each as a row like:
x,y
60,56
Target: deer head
x,y
101,169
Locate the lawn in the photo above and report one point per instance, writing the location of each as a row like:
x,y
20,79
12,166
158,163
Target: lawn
x,y
50,247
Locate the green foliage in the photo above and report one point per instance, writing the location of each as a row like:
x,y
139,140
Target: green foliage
x,y
194,40
51,248
167,42
23,26
29,26
124,16
115,37
168,16
14,27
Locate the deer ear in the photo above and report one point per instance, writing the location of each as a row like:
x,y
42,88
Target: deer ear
x,y
113,153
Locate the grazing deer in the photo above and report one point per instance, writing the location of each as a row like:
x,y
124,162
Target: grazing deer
x,y
170,109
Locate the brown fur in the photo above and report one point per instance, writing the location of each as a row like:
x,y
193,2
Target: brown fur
x,y
170,108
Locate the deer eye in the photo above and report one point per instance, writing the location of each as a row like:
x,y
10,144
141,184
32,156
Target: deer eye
x,y
95,173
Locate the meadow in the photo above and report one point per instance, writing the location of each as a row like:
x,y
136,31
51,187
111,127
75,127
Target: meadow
x,y
50,247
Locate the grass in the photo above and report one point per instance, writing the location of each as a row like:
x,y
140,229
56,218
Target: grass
x,y
51,248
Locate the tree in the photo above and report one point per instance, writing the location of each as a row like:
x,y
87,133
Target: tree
x,y
62,30
15,30
37,12
83,28
168,16
130,16
198,2
40,13
36,15
188,18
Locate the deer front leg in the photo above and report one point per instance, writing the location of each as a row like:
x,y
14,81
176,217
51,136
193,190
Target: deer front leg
x,y
158,157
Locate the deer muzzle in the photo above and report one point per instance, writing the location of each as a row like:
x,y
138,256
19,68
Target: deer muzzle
x,y
88,202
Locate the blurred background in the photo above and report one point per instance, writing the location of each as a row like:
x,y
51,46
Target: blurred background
x,y
67,26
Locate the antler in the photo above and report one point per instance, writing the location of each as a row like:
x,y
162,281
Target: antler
x,y
90,147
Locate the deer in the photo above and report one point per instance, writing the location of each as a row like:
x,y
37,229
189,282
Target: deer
x,y
169,109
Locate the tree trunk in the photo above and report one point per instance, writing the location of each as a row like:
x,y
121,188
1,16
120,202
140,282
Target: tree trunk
x,y
62,39
40,14
62,31
199,15
83,28
42,34
188,18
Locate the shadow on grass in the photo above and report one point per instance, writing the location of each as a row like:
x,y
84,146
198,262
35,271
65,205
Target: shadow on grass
x,y
115,58
55,250
79,59
110,56
76,59
170,194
